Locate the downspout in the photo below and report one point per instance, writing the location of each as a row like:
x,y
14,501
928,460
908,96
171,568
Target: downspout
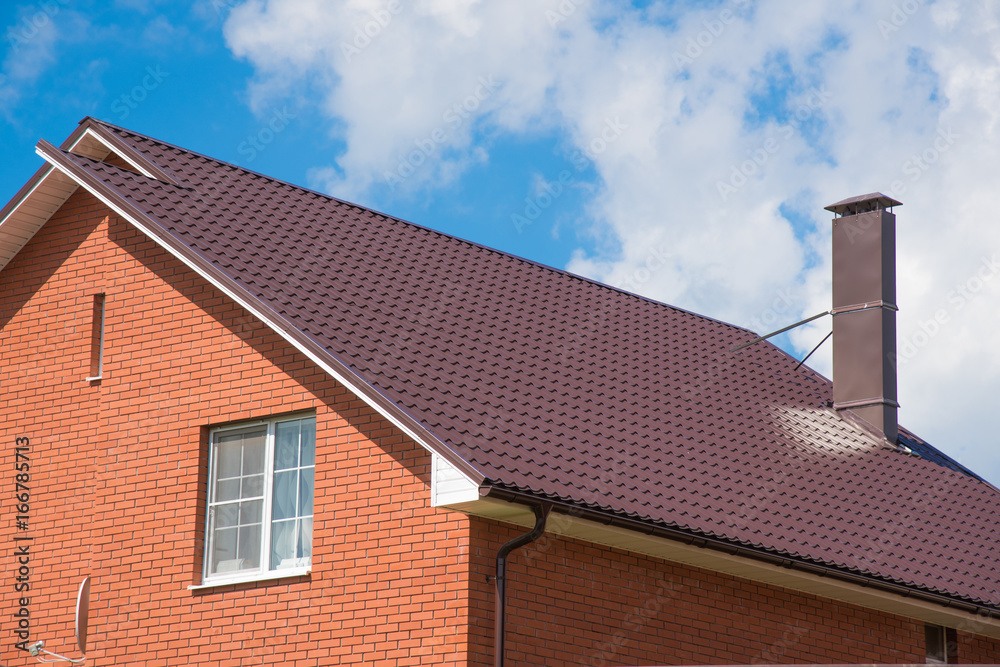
x,y
541,515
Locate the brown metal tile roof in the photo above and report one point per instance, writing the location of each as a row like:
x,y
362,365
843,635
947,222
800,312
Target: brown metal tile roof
x,y
547,383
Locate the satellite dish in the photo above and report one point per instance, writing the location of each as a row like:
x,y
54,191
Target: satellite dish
x,y
83,614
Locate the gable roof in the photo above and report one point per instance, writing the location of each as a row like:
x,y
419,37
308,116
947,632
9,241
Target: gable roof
x,y
540,384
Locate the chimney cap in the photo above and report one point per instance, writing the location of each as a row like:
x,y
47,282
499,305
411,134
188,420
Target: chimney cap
x,y
862,204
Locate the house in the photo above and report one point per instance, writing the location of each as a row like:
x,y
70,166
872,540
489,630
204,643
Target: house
x,y
278,428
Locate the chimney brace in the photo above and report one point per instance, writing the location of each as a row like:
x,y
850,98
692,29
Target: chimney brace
x,y
835,311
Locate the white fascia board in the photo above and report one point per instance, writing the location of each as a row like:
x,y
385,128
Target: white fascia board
x,y
350,383
449,485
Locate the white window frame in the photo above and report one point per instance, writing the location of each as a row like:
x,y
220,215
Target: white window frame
x,y
264,571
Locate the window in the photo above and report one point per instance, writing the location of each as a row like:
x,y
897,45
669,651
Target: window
x,y
260,499
937,645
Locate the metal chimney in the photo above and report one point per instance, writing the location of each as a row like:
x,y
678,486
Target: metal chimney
x,y
864,310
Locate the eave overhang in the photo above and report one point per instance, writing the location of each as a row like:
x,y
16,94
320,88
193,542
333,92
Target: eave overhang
x,y
706,552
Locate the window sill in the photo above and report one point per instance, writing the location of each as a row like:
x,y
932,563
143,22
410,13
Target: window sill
x,y
256,576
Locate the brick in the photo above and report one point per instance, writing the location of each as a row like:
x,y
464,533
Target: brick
x,y
120,491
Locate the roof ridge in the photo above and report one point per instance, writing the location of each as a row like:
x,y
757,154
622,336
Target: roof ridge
x,y
130,173
388,216
124,149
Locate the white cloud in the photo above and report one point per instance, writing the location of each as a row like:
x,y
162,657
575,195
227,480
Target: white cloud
x,y
409,83
866,87
160,32
31,42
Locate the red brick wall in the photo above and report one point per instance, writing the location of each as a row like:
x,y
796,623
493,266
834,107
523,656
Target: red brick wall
x,y
973,649
119,471
118,483
573,603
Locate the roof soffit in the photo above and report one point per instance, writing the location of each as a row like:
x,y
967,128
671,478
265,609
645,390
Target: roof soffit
x,y
31,208
48,189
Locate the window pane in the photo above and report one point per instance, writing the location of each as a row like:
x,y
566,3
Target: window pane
x,y
936,646
223,548
250,512
226,515
308,446
286,444
285,491
228,489
253,453
253,486
282,544
306,491
248,549
229,454
305,538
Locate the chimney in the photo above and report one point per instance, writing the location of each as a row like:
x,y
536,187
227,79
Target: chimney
x,y
864,310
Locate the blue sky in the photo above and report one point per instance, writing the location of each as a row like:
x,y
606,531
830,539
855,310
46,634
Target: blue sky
x,y
164,69
684,150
